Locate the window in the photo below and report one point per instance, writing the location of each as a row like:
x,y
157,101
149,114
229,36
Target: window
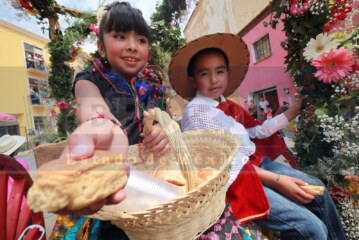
x,y
34,57
40,123
262,48
39,91
43,124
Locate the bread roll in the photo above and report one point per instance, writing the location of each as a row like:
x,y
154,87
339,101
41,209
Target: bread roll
x,y
313,190
73,185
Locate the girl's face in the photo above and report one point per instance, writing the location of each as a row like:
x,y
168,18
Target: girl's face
x,y
126,52
210,75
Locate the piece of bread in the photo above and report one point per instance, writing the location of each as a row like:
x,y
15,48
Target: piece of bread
x,y
73,185
206,173
313,190
171,173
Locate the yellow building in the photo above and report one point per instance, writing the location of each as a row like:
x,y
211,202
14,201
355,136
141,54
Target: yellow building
x,y
24,71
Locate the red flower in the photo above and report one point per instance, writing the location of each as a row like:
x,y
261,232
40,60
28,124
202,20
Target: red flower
x,y
74,110
53,113
62,105
339,194
95,29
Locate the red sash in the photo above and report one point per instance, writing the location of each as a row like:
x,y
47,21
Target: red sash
x,y
246,195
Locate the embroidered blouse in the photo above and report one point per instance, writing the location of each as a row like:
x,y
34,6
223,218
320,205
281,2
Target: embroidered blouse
x,y
121,100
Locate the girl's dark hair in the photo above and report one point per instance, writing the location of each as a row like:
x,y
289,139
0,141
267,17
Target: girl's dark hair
x,y
122,17
194,58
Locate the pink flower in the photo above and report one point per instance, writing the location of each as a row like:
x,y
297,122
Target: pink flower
x,y
227,236
53,113
95,29
217,227
334,65
74,110
227,213
147,71
212,236
299,7
62,105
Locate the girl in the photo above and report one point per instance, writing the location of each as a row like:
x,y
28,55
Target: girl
x,y
265,191
111,99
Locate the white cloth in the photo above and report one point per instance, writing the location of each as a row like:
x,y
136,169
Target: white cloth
x,y
264,104
201,113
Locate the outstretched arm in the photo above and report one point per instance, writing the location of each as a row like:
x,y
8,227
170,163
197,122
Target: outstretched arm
x,y
270,126
95,134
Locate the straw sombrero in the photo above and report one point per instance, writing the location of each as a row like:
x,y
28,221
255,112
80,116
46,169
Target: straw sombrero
x,y
235,49
9,144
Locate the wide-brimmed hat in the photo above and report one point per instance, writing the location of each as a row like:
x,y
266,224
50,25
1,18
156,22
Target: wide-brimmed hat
x,y
9,144
232,45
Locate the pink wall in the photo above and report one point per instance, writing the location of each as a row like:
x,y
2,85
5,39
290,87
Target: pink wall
x,y
269,72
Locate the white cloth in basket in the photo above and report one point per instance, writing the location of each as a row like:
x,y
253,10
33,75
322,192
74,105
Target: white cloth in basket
x,y
201,113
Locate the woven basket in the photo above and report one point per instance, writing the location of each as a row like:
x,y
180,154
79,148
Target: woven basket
x,y
187,216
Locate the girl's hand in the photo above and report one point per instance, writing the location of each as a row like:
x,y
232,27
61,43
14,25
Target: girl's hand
x,y
97,134
289,187
156,141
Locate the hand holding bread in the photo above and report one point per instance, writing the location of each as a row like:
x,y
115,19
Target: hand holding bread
x,y
73,185
313,190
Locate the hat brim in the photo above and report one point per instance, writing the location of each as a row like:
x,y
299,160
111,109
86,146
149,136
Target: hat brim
x,y
232,45
20,140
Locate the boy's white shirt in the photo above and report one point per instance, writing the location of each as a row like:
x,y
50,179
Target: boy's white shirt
x,y
201,113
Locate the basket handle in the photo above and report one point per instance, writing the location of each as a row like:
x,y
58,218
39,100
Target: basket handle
x,y
147,123
178,147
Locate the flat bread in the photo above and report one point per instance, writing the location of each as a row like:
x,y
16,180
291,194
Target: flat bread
x,y
313,190
171,173
73,185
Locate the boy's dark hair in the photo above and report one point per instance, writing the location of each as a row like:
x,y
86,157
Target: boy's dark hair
x,y
261,109
122,17
195,57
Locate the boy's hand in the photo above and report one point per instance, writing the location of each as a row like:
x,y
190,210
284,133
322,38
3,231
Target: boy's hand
x,y
97,134
289,187
156,141
295,110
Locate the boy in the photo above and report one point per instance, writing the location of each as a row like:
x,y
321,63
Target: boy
x,y
215,65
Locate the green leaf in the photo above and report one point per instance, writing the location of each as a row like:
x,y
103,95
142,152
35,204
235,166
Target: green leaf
x,y
321,111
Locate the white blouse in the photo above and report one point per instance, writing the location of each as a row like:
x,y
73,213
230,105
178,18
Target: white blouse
x,y
201,113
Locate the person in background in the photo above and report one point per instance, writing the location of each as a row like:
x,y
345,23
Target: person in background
x,y
253,108
263,103
282,109
269,111
262,115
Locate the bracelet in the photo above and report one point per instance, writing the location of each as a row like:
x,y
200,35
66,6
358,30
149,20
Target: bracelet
x,y
278,177
112,119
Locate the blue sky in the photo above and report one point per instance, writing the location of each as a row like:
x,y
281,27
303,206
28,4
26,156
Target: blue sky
x,y
8,13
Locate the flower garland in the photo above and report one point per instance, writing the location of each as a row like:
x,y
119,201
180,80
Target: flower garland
x,y
322,44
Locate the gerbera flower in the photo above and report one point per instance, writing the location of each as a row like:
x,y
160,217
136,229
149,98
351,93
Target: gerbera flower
x,y
334,65
321,44
62,105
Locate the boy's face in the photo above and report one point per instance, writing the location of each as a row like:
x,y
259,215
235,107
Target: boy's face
x,y
210,75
